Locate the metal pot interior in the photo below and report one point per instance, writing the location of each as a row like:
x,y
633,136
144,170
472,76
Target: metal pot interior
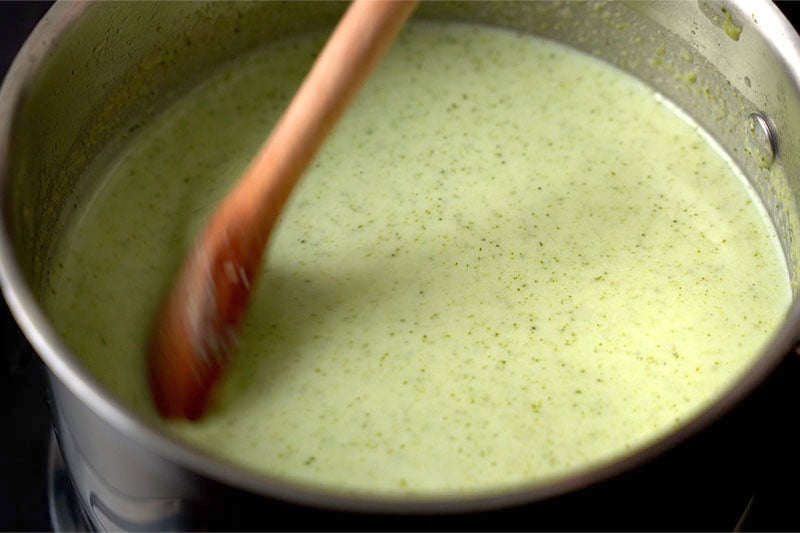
x,y
95,73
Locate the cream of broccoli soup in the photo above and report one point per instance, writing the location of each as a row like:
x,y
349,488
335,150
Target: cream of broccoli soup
x,y
509,262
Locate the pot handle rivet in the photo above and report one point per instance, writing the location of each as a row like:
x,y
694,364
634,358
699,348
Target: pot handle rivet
x,y
761,139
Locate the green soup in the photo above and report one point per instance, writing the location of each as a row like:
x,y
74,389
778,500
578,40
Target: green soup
x,y
509,262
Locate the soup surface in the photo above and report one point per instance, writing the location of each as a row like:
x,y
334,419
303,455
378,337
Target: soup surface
x,y
509,262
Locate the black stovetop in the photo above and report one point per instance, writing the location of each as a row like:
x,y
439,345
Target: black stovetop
x,y
23,449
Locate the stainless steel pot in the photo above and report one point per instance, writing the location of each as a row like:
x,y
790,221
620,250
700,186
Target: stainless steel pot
x,y
92,73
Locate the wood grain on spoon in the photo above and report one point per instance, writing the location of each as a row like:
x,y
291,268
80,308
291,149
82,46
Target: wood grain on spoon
x,y
200,317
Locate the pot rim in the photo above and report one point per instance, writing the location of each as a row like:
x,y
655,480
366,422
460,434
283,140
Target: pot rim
x,y
63,364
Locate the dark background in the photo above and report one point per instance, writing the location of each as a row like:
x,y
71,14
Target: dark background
x,y
23,415
23,447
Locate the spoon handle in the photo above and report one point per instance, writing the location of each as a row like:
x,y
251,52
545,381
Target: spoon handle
x,y
359,41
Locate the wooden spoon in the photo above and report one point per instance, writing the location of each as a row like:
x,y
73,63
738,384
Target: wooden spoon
x,y
199,320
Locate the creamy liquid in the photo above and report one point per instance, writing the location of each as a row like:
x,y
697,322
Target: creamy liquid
x,y
509,262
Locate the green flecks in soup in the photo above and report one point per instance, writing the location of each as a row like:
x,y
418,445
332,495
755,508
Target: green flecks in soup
x,y
509,262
